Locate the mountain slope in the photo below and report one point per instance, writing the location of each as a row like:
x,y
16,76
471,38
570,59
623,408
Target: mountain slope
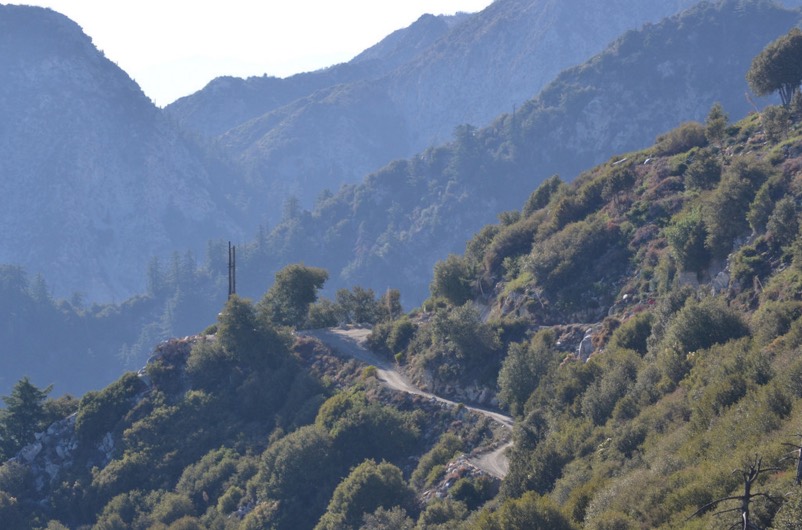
x,y
412,213
484,65
95,180
227,102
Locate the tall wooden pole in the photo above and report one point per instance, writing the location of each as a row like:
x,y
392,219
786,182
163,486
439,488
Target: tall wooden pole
x,y
232,269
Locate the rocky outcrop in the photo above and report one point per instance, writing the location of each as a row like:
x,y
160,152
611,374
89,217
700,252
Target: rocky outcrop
x,y
58,447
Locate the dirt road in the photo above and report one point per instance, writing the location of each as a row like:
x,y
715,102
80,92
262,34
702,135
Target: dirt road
x,y
350,342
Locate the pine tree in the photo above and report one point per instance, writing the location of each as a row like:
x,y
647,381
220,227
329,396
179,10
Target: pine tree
x,y
23,417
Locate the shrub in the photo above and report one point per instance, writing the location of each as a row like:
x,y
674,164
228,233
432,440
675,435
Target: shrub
x,y
571,263
542,195
293,291
683,138
452,280
704,172
512,241
99,412
443,451
368,487
531,511
633,333
774,318
686,235
698,325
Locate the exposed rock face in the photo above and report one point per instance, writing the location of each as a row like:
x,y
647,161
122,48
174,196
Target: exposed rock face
x,y
95,181
57,447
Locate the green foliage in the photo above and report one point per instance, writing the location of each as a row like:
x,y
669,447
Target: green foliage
x,y
776,122
575,261
473,492
724,213
452,280
442,514
99,412
698,325
368,487
206,480
783,224
248,339
360,429
322,314
512,241
288,469
716,124
383,519
24,415
683,138
601,396
293,291
530,512
778,68
687,235
633,333
443,451
613,521
773,319
790,515
208,365
357,306
522,368
542,195
704,172
392,337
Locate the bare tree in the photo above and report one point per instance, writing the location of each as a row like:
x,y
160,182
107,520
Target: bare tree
x,y
750,475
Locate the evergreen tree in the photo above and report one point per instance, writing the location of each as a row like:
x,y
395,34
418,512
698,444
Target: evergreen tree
x,y
23,417
778,68
293,291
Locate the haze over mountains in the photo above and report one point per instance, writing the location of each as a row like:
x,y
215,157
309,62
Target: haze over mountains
x,y
97,181
300,135
391,229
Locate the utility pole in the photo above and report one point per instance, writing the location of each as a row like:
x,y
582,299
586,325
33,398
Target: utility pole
x,y
232,269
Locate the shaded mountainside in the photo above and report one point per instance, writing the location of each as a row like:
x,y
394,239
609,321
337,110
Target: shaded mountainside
x,y
227,102
392,228
642,325
389,231
95,181
244,425
336,129
682,263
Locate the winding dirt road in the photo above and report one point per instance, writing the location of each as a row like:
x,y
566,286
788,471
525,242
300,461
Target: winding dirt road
x,y
350,342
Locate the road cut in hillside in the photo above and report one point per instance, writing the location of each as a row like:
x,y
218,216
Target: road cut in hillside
x,y
350,342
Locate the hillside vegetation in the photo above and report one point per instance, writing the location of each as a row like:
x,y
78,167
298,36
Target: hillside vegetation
x,y
642,323
390,230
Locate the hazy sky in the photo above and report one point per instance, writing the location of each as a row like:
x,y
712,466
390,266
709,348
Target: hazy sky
x,y
174,47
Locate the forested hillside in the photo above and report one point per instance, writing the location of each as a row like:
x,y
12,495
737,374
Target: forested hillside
x,y
642,323
390,230
300,135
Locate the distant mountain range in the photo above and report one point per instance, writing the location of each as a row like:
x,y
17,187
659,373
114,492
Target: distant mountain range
x,y
300,135
97,180
391,229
